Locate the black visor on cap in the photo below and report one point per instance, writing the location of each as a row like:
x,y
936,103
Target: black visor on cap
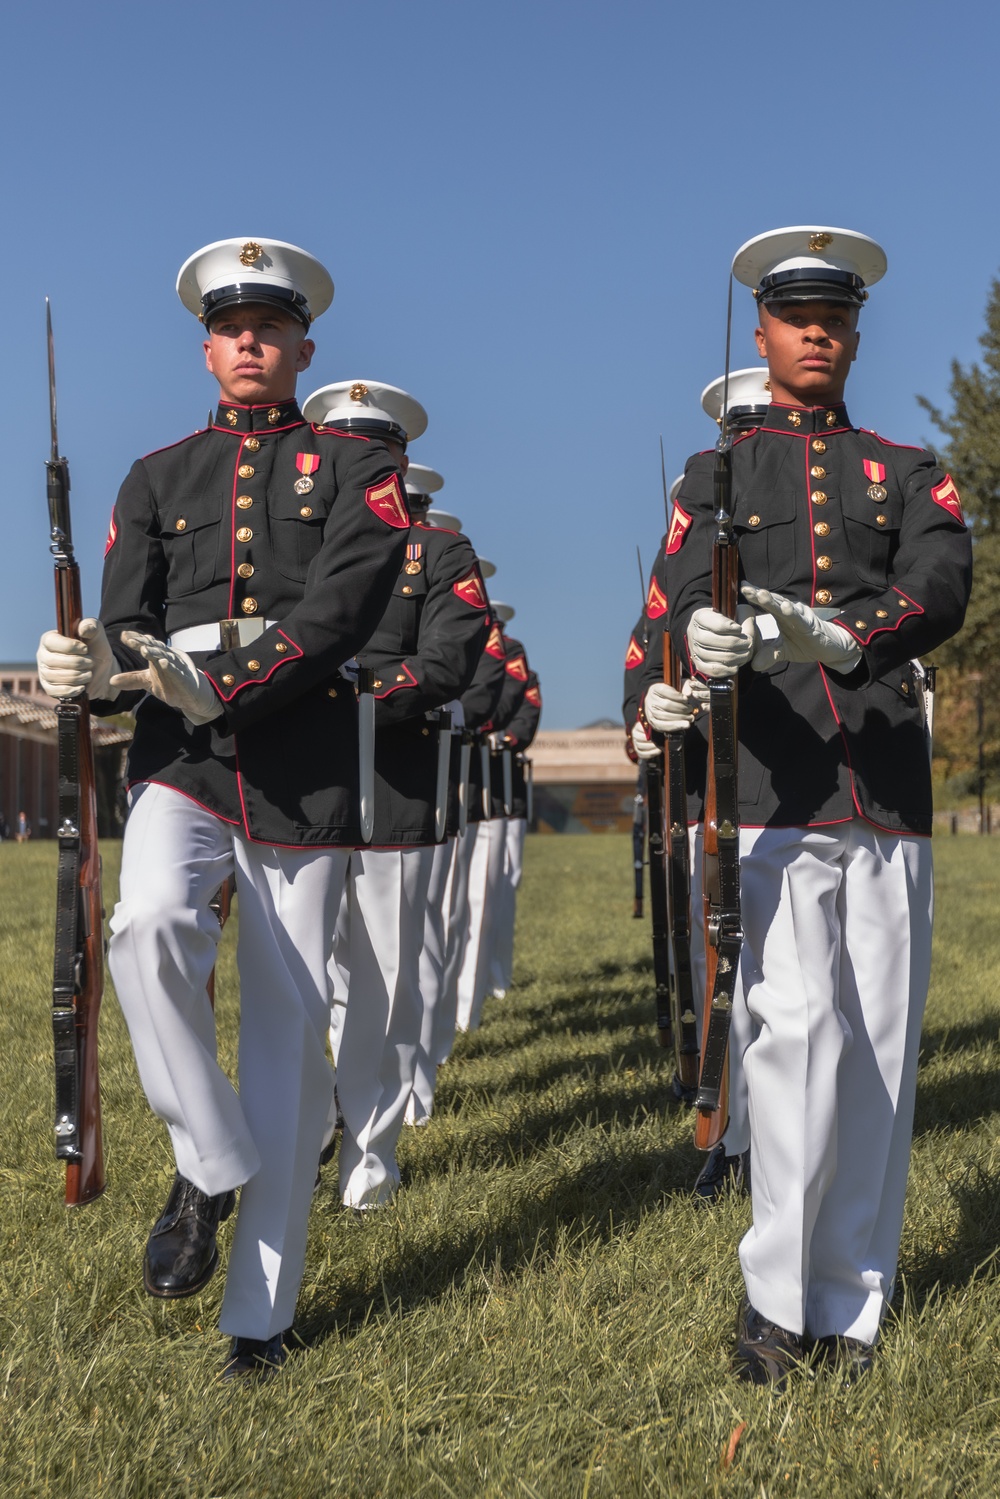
x,y
806,284
243,293
366,427
743,417
418,501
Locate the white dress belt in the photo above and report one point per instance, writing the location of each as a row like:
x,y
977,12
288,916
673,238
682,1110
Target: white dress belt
x,y
209,637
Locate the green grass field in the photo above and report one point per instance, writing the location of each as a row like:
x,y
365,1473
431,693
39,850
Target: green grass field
x,y
544,1312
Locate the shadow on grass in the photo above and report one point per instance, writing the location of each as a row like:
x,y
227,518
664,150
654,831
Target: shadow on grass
x,y
602,1199
455,1087
957,1101
973,1249
946,1040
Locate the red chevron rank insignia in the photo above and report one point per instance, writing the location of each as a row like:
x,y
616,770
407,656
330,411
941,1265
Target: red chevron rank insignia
x,y
386,500
112,535
946,495
494,646
470,590
875,471
680,525
534,697
656,601
517,667
634,656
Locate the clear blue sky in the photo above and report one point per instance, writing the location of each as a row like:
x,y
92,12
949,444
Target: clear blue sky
x,y
529,210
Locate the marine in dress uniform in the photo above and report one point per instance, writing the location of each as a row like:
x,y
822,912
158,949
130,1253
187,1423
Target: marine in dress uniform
x,y
486,869
244,566
857,560
424,652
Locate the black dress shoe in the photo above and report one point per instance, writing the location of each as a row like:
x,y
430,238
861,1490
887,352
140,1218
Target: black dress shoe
x,y
849,1356
257,1358
679,1093
765,1352
181,1254
722,1173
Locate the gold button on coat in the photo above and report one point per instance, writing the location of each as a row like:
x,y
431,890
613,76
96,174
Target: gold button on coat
x,y
249,606
861,624
252,444
246,471
406,588
253,666
821,528
306,511
754,520
244,534
823,596
904,686
182,524
818,445
331,692
245,569
281,647
228,680
244,501
818,497
881,614
881,520
824,563
818,471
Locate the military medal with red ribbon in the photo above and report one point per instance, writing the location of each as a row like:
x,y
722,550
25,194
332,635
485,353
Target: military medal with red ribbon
x,y
306,463
414,552
876,473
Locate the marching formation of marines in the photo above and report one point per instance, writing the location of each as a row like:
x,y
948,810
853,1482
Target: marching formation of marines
x,y
330,710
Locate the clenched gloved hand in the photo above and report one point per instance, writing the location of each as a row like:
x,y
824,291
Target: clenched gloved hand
x,y
68,667
720,646
171,676
645,748
804,636
668,709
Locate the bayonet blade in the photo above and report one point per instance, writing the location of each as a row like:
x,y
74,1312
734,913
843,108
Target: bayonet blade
x,y
52,380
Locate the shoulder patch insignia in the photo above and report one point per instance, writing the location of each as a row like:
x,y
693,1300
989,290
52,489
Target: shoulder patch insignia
x,y
680,525
634,656
517,667
386,500
470,590
656,600
946,495
534,697
112,535
494,646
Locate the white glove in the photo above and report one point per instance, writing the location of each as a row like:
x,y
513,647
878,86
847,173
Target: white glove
x,y
643,745
804,636
668,709
68,667
720,646
171,676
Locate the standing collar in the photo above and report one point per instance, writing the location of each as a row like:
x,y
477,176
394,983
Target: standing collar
x,y
803,421
243,419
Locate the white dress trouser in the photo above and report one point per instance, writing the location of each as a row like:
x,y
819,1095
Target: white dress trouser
x,y
163,948
459,915
501,975
835,968
432,970
376,1014
485,876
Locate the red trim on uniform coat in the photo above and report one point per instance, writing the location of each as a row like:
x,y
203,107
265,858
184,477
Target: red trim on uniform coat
x,y
179,443
435,531
634,656
322,430
398,686
910,447
810,508
112,534
897,832
265,432
232,525
149,781
892,624
254,679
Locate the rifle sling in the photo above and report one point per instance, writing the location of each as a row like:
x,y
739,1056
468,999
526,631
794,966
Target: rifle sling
x,y
658,898
680,893
67,947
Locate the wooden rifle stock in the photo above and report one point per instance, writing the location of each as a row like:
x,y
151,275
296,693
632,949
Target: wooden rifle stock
x,y
723,928
685,1031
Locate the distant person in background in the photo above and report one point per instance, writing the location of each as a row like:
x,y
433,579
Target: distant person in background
x,y
23,828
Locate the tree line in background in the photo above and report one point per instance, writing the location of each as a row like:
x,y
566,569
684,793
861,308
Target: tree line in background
x,y
967,709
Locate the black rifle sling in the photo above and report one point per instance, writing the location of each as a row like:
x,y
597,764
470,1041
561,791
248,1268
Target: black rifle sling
x,y
67,945
658,899
680,893
729,938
